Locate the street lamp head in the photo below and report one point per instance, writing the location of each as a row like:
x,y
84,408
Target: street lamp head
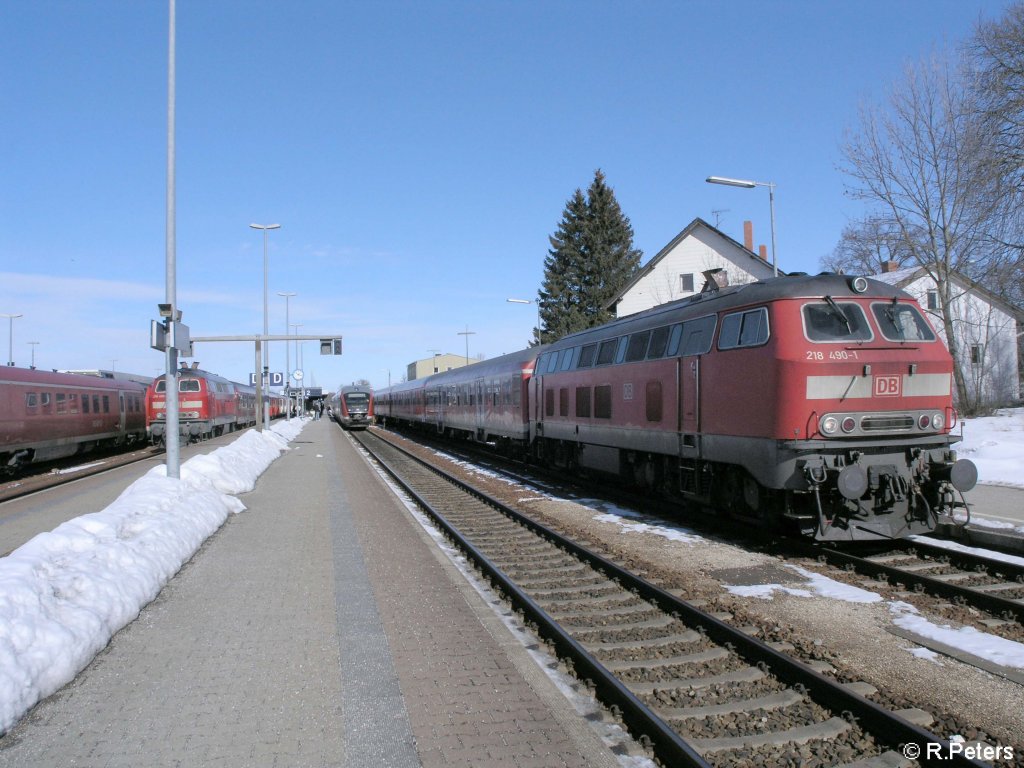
x,y
731,182
265,226
520,301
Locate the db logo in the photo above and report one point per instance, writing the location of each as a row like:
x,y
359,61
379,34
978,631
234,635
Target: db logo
x,y
888,386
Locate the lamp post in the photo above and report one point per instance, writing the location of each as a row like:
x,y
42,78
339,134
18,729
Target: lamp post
x,y
467,333
287,354
298,365
10,336
33,344
529,301
266,327
771,203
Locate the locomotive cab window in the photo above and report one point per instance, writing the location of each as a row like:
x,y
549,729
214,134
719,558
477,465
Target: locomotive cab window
x,y
833,321
188,385
744,329
901,322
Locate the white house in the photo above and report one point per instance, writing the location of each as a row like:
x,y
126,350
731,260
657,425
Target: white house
x,y
984,327
676,271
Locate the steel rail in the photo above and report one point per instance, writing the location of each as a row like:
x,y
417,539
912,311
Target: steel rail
x,y
997,606
668,745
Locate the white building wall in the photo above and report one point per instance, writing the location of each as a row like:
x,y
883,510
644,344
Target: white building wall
x,y
987,341
700,251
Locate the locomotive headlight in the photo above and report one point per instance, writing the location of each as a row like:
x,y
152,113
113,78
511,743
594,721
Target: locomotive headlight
x,y
924,421
829,425
849,424
859,284
938,421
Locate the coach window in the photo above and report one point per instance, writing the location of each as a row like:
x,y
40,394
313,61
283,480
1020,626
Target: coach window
x,y
637,348
659,341
606,354
73,403
31,400
582,402
44,401
61,404
744,329
95,403
569,358
106,404
603,402
587,355
563,402
85,403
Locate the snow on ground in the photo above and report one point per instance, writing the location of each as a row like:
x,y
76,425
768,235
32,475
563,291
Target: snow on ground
x,y
996,445
64,593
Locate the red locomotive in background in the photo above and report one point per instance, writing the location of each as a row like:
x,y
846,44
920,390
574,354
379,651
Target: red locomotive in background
x,y
48,415
208,405
821,403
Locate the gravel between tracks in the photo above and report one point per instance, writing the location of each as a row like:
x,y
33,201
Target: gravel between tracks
x,y
850,636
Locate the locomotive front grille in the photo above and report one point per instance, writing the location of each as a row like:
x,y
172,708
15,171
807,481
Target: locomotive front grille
x,y
894,423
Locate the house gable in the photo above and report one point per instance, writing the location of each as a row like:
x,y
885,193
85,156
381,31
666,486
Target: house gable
x,y
676,271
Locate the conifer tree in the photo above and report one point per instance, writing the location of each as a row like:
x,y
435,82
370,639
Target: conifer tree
x,y
591,259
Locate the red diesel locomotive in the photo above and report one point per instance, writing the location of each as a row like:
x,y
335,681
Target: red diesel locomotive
x,y
208,405
47,415
821,403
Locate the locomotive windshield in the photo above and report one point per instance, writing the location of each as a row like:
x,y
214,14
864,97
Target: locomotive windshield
x,y
901,322
836,321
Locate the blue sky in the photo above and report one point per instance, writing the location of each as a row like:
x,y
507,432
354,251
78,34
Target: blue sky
x,y
416,154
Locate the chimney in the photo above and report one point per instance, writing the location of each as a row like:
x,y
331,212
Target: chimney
x,y
762,251
890,266
748,235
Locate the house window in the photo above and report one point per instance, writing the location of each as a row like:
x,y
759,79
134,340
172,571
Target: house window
x,y
933,299
977,354
686,283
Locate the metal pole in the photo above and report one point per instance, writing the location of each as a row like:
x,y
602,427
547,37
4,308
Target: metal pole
x,y
771,208
287,356
259,390
171,367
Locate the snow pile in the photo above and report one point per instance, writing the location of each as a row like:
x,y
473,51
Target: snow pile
x,y
65,593
996,445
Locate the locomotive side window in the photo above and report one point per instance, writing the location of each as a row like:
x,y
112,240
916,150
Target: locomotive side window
x,y
901,322
659,340
549,402
603,402
744,329
587,355
563,402
606,353
832,321
620,353
697,335
637,348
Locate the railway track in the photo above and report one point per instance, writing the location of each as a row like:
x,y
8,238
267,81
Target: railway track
x,y
695,689
994,586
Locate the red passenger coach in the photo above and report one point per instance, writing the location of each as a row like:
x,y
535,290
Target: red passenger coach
x,y
46,416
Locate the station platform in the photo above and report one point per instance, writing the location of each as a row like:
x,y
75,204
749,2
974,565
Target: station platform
x,y
320,627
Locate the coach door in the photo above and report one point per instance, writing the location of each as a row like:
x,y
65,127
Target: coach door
x,y
122,416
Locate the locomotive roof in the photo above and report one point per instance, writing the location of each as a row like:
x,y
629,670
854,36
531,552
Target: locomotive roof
x,y
772,289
